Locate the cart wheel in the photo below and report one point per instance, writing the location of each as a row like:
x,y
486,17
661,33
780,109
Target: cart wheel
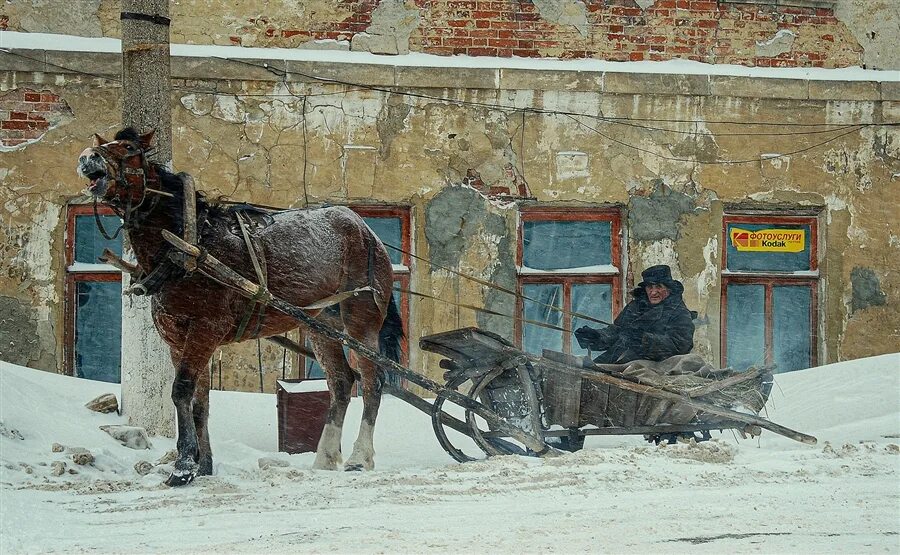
x,y
438,426
491,446
497,446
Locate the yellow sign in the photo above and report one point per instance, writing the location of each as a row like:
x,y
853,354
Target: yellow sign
x,y
769,240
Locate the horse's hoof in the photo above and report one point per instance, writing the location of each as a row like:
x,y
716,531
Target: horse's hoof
x,y
179,479
353,468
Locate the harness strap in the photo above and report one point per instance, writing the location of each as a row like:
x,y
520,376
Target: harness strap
x,y
259,266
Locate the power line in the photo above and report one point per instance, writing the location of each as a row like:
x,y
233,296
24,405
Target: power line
x,y
617,120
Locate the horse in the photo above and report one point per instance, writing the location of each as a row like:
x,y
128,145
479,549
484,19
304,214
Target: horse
x,y
301,255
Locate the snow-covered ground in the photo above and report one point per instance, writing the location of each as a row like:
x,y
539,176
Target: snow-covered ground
x,y
768,495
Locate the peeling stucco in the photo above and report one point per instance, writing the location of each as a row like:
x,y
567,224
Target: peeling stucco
x,y
874,25
393,21
657,216
777,45
19,340
866,289
565,12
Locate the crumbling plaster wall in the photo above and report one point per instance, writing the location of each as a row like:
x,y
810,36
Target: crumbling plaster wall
x,y
856,32
326,145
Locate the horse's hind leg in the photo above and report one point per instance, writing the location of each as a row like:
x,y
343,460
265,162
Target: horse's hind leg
x,y
330,355
362,320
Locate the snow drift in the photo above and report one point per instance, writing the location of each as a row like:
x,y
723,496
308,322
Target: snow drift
x,y
619,494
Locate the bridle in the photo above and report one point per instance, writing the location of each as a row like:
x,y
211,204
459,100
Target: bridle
x,y
125,174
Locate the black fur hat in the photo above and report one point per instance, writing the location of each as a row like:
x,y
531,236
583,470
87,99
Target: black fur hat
x,y
658,274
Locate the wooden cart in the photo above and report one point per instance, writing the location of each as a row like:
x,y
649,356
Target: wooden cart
x,y
563,398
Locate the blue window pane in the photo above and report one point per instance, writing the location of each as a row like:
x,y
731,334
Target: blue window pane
x,y
389,230
89,243
554,245
98,330
746,326
748,261
536,338
791,332
594,300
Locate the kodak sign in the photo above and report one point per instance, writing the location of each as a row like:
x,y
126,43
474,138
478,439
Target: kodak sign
x,y
769,240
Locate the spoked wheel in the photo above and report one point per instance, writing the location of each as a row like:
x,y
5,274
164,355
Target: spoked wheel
x,y
491,446
438,425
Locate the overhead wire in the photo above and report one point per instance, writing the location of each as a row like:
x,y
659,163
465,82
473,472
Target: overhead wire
x,y
629,121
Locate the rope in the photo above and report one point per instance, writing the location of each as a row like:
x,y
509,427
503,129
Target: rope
x,y
500,288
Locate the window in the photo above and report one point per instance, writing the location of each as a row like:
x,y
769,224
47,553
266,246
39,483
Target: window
x,y
93,297
770,283
567,259
392,225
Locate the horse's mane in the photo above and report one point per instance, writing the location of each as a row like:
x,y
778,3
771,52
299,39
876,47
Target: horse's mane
x,y
171,182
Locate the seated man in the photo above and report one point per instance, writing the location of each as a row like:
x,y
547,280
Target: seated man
x,y
653,326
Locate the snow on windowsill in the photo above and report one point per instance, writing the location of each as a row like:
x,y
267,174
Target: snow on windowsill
x,y
87,267
796,273
71,43
598,269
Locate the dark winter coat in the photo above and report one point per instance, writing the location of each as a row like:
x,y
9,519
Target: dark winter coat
x,y
644,331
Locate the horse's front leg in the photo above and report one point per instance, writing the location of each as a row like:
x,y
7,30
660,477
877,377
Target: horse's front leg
x,y
190,365
201,424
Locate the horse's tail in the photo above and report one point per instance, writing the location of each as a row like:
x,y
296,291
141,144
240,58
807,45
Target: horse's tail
x,y
391,333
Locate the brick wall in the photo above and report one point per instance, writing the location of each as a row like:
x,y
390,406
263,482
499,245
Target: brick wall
x,y
616,30
26,114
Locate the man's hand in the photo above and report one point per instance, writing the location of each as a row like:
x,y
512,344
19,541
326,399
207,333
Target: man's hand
x,y
588,338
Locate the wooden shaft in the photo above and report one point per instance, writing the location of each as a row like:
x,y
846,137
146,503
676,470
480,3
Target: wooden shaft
x,y
111,258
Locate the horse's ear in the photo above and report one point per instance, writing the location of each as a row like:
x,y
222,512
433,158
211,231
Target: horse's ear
x,y
98,140
147,139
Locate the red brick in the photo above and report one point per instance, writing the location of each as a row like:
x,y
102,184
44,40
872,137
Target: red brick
x,y
704,5
18,115
636,56
503,43
526,53
32,97
707,23
485,14
457,41
14,125
481,51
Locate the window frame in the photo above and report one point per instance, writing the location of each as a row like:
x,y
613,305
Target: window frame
x,y
401,271
74,274
567,279
770,280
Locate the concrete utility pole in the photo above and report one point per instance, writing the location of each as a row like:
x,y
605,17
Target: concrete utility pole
x,y
147,371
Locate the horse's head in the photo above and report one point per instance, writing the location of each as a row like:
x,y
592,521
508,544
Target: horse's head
x,y
118,170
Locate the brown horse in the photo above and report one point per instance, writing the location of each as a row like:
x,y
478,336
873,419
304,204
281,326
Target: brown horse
x,y
302,256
